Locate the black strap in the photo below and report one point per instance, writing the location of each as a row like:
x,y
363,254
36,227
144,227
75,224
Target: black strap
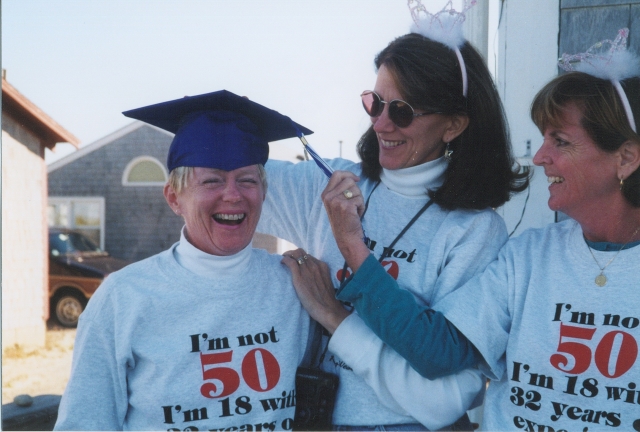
x,y
393,243
404,230
314,344
366,204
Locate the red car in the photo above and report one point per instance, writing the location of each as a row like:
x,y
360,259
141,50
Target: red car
x,y
76,268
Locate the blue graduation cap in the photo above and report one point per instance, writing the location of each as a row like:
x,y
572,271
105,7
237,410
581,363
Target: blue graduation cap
x,y
218,130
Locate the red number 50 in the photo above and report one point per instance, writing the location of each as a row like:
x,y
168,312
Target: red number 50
x,y
581,353
228,380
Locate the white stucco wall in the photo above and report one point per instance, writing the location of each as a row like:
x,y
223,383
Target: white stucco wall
x,y
526,53
24,237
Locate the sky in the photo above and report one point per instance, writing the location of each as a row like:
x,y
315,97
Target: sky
x,y
83,62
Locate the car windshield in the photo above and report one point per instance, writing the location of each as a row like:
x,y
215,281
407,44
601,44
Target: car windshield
x,y
68,243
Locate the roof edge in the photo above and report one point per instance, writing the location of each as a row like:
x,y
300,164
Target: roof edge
x,y
89,148
53,128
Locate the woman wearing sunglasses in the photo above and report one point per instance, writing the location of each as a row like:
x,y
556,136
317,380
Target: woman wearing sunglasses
x,y
435,160
555,319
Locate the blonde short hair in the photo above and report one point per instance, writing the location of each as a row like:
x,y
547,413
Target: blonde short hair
x,y
179,177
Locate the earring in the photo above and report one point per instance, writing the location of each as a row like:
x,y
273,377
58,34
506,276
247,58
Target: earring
x,y
447,153
621,183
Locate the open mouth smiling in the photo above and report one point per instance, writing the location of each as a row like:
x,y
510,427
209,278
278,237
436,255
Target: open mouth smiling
x,y
229,219
390,144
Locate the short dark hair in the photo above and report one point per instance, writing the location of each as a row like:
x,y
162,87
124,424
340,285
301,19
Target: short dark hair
x,y
603,115
482,172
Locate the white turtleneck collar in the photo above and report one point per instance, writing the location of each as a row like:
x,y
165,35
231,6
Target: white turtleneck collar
x,y
415,181
211,266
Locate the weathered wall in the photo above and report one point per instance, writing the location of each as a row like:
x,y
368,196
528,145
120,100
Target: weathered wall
x,y
24,238
527,53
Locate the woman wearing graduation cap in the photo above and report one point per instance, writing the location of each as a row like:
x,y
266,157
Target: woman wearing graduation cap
x,y
208,334
435,160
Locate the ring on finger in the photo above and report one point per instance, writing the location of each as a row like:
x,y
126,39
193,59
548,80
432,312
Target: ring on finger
x,y
300,260
347,194
305,257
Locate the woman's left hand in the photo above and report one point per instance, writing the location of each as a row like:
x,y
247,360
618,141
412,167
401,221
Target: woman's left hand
x,y
312,282
345,205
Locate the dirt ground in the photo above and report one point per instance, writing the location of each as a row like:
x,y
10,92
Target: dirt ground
x,y
43,371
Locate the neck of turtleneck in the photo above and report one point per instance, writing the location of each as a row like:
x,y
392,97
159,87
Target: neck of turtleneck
x,y
211,266
415,181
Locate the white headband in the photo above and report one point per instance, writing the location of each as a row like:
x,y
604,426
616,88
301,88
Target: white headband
x,y
444,27
614,64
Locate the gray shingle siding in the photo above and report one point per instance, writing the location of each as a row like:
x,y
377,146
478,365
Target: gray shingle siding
x,y
585,22
138,222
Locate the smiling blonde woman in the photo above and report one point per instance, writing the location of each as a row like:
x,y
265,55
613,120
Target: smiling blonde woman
x,y
207,335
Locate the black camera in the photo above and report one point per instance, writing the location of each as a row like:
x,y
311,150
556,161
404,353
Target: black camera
x,y
315,399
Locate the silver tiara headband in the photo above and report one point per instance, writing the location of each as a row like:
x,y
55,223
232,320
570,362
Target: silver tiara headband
x,y
608,60
444,27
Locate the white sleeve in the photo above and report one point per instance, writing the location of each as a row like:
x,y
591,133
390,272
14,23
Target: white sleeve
x,y
293,196
482,309
466,244
293,204
434,403
96,395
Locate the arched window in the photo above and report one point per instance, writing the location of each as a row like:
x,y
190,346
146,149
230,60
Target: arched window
x,y
144,171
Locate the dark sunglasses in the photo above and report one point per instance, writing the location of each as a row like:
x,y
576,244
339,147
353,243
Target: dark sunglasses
x,y
400,112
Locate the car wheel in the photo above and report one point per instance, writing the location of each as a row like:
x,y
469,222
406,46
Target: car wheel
x,y
67,308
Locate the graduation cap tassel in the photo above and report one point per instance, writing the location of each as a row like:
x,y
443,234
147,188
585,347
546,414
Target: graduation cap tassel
x,y
326,169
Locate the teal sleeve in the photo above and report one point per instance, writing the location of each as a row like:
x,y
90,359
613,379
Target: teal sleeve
x,y
432,345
